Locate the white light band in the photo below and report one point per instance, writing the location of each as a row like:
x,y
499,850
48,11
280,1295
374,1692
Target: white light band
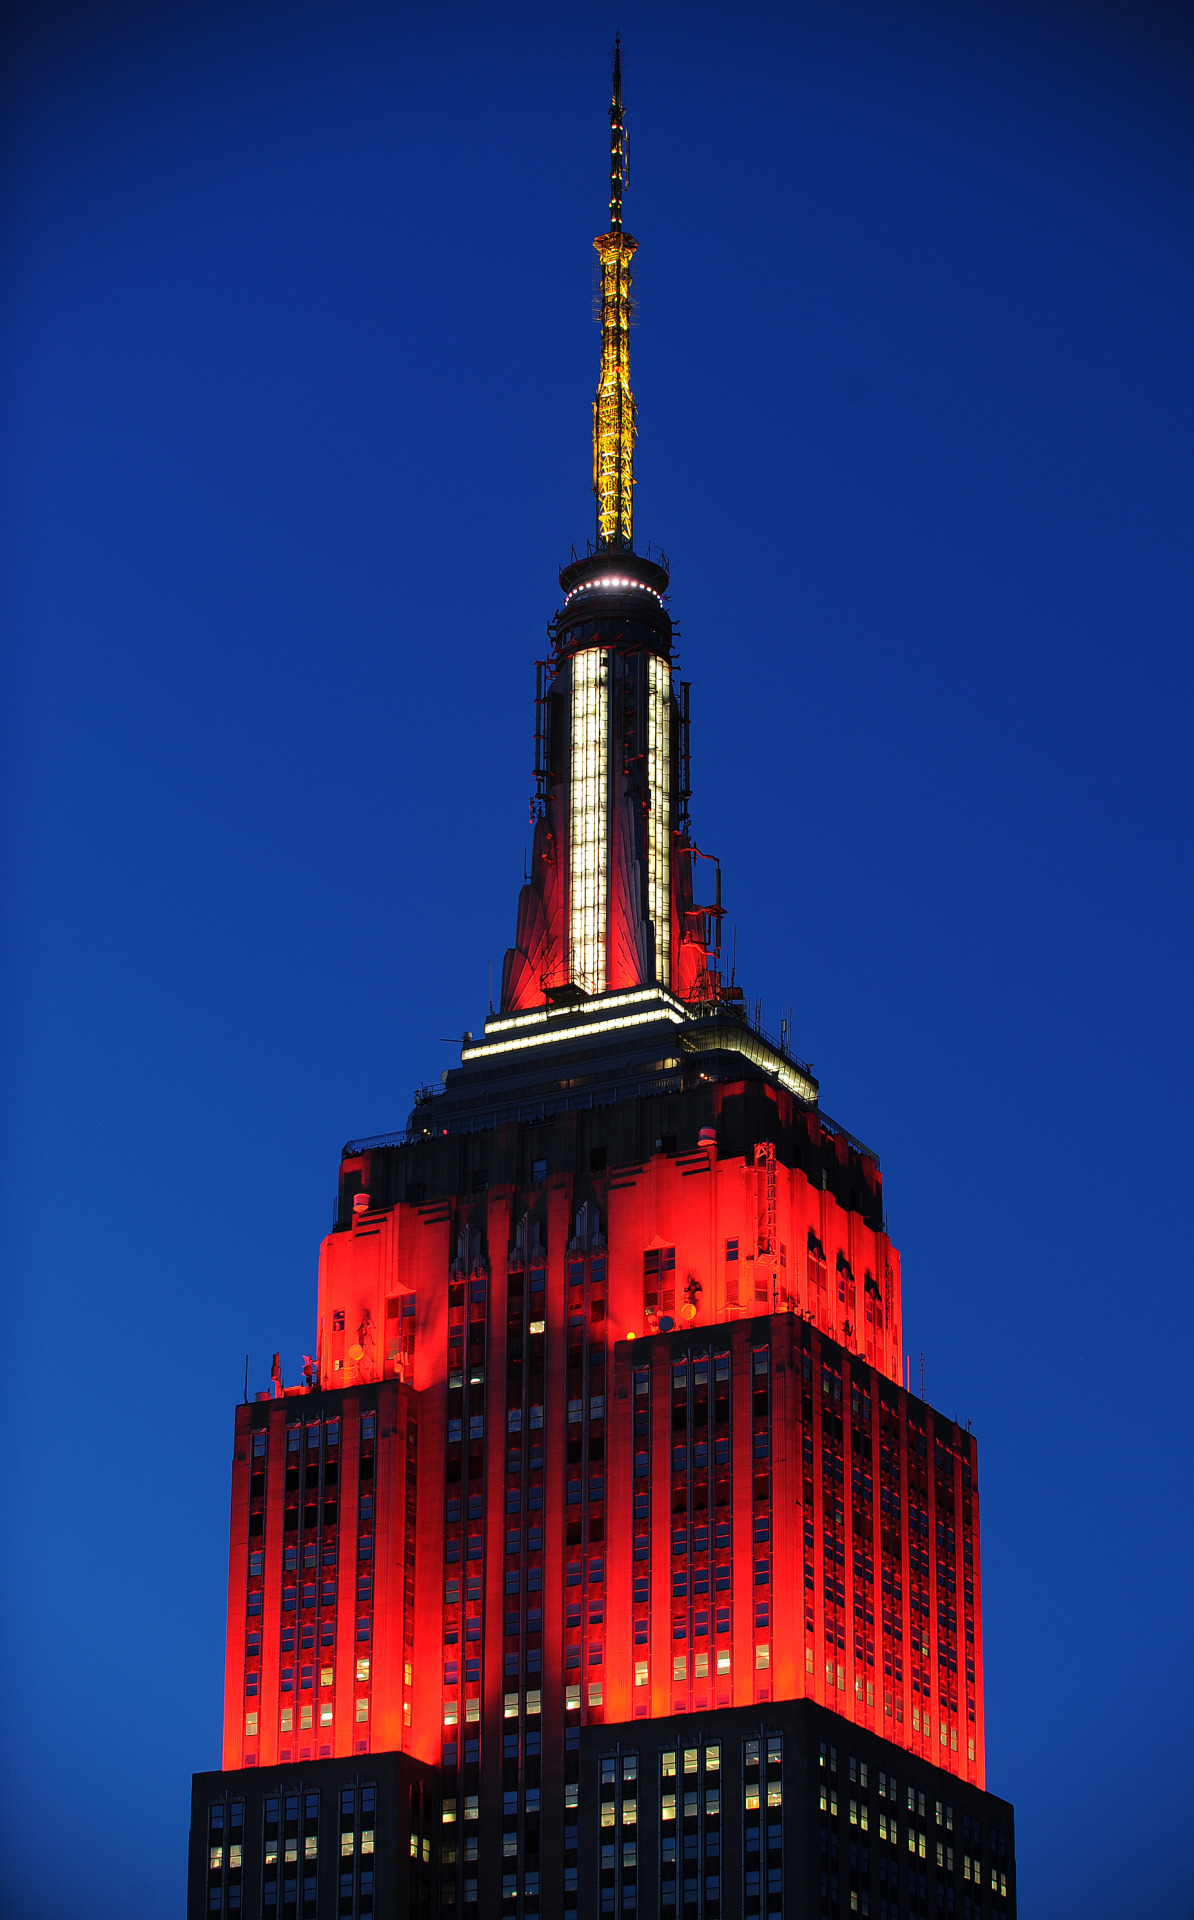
x,y
572,1033
659,816
535,1016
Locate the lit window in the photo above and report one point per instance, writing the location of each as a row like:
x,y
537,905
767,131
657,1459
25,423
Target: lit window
x,y
640,1673
362,1711
251,1725
723,1662
367,1840
310,1847
762,1657
286,1719
325,1716
346,1843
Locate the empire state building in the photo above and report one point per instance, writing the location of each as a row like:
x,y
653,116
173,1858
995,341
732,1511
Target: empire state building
x,y
602,1561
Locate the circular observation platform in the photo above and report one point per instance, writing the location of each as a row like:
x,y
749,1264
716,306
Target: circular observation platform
x,y
614,571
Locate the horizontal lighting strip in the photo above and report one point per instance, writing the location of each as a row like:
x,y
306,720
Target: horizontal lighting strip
x,y
609,580
535,1016
573,1033
751,1047
795,1083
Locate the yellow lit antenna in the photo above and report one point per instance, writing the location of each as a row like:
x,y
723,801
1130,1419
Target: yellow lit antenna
x,y
613,407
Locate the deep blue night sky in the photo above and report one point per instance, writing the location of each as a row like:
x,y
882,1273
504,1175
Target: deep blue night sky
x,y
297,367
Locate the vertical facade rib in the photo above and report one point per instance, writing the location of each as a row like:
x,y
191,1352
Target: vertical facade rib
x,y
659,812
588,822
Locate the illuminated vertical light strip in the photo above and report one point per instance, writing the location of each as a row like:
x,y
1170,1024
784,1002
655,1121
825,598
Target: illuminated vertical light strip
x,y
588,836
659,818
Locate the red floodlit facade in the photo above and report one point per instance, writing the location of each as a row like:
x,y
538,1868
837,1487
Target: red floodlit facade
x,y
606,1452
836,1552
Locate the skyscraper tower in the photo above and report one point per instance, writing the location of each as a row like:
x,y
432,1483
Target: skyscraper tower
x,y
602,1560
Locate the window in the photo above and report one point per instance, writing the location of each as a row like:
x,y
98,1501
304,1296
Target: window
x,y
659,1279
762,1657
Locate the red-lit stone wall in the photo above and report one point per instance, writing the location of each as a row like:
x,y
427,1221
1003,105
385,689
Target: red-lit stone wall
x,y
579,1516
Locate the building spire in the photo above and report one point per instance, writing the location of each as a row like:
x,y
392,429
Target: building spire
x,y
613,407
617,149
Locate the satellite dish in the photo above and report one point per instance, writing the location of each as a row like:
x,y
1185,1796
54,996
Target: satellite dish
x,y
356,1353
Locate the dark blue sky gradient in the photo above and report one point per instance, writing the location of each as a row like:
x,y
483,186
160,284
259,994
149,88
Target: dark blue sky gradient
x,y
297,368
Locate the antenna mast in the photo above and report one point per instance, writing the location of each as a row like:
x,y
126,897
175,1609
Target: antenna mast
x,y
613,407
